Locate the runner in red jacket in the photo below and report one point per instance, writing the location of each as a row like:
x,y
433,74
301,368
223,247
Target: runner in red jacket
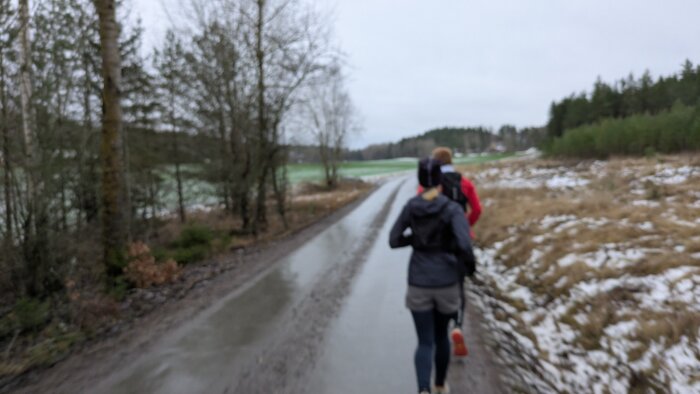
x,y
473,209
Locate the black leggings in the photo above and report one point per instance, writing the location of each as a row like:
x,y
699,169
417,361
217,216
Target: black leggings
x,y
431,327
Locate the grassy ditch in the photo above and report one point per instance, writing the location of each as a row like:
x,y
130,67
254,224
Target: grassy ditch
x,y
596,266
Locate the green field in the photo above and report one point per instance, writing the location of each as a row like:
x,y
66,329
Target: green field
x,y
357,169
200,192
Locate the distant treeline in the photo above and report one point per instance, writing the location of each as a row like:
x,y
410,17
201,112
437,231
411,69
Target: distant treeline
x,y
631,116
669,131
462,140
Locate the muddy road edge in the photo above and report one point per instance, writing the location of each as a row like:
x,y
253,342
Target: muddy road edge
x,y
81,370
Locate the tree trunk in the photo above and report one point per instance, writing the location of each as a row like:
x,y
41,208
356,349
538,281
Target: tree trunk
x,y
128,210
176,149
337,152
26,92
260,224
235,141
86,197
35,242
152,192
178,178
279,186
63,173
244,193
113,237
260,209
25,98
325,161
7,167
224,175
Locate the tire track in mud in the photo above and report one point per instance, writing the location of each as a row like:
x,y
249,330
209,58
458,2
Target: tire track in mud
x,y
287,359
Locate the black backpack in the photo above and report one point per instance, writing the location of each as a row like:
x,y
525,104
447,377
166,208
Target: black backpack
x,y
452,188
431,232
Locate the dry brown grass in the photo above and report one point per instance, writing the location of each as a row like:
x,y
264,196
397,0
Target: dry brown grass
x,y
607,197
563,279
655,264
512,217
644,382
692,245
668,327
601,311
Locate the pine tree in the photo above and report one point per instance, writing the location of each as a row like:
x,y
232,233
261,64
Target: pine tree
x,y
113,234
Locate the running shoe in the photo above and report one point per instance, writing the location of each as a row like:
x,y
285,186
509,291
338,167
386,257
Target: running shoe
x,y
460,348
441,390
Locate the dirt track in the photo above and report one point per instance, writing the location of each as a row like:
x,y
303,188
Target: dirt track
x,y
268,326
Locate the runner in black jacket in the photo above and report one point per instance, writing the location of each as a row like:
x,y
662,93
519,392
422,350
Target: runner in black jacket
x,y
439,233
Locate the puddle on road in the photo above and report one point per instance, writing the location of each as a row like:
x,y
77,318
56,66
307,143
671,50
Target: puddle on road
x,y
206,354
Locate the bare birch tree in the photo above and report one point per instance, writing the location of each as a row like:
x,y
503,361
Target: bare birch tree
x,y
6,43
290,46
7,37
331,118
171,65
36,222
26,89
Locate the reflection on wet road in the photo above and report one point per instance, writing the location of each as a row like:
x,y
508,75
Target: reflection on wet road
x,y
370,346
205,354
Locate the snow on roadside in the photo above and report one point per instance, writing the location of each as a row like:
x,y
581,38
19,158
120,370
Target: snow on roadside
x,y
507,178
564,363
668,175
555,337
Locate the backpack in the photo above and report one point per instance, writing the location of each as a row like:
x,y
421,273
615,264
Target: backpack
x,y
431,232
452,189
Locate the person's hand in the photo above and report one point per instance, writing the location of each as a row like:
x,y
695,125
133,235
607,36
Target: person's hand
x,y
470,268
471,271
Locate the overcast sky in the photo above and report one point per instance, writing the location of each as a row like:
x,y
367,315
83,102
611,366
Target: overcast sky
x,y
420,64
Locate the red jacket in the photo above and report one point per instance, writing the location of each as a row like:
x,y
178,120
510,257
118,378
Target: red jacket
x,y
474,211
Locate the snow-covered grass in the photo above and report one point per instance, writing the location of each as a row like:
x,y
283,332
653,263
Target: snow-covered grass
x,y
591,272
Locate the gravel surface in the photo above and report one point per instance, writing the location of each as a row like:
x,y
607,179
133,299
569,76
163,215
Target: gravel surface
x,y
261,323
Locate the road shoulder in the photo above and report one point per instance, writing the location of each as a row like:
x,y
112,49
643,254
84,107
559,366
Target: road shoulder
x,y
95,361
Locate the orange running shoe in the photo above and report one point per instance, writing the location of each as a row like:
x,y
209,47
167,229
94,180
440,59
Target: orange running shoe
x,y
460,348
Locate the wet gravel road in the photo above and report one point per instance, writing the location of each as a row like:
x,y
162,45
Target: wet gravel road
x,y
369,347
328,317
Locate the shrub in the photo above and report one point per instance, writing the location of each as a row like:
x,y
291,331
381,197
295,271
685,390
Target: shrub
x,y
118,286
194,244
190,254
143,270
7,326
194,236
30,314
